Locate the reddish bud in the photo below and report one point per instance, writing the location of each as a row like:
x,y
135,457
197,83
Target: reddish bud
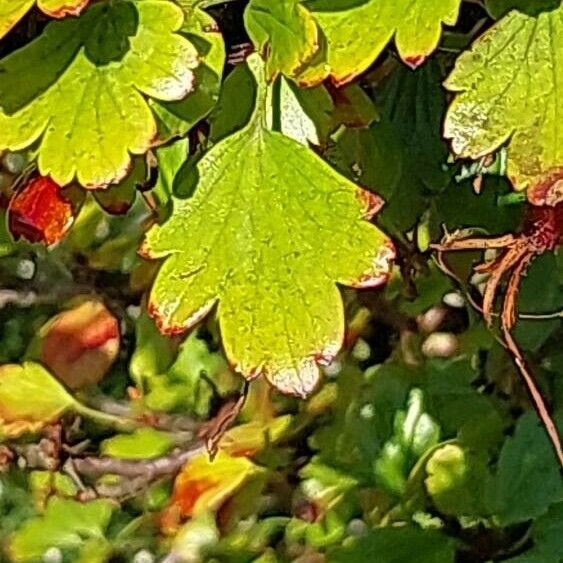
x,y
40,212
81,344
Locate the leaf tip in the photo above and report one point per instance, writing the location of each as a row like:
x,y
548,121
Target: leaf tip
x,y
414,61
299,380
64,9
371,203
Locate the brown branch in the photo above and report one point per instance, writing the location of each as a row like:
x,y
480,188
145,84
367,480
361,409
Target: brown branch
x,y
149,469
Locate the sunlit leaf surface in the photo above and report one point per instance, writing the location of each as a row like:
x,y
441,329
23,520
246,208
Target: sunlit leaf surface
x,y
269,237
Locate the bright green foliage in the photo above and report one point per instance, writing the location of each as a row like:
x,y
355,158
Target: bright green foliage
x,y
11,11
281,255
141,444
66,523
509,89
17,385
285,32
103,77
357,34
419,442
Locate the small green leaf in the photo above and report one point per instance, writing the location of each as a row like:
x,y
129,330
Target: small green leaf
x,y
356,35
192,381
87,108
415,432
170,159
509,89
456,481
235,105
66,523
153,353
268,236
528,479
285,32
144,443
30,397
325,485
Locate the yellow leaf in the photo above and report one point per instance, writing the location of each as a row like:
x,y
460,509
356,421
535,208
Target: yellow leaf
x,y
30,398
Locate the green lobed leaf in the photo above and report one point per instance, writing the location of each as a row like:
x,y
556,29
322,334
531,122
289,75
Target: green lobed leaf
x,y
357,34
118,198
509,91
176,118
105,118
268,236
66,523
285,32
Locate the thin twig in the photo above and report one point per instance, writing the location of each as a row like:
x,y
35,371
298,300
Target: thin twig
x,y
213,431
537,399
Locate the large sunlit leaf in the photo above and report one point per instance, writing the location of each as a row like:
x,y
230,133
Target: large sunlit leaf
x,y
80,89
12,11
268,236
509,90
285,32
30,397
357,34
